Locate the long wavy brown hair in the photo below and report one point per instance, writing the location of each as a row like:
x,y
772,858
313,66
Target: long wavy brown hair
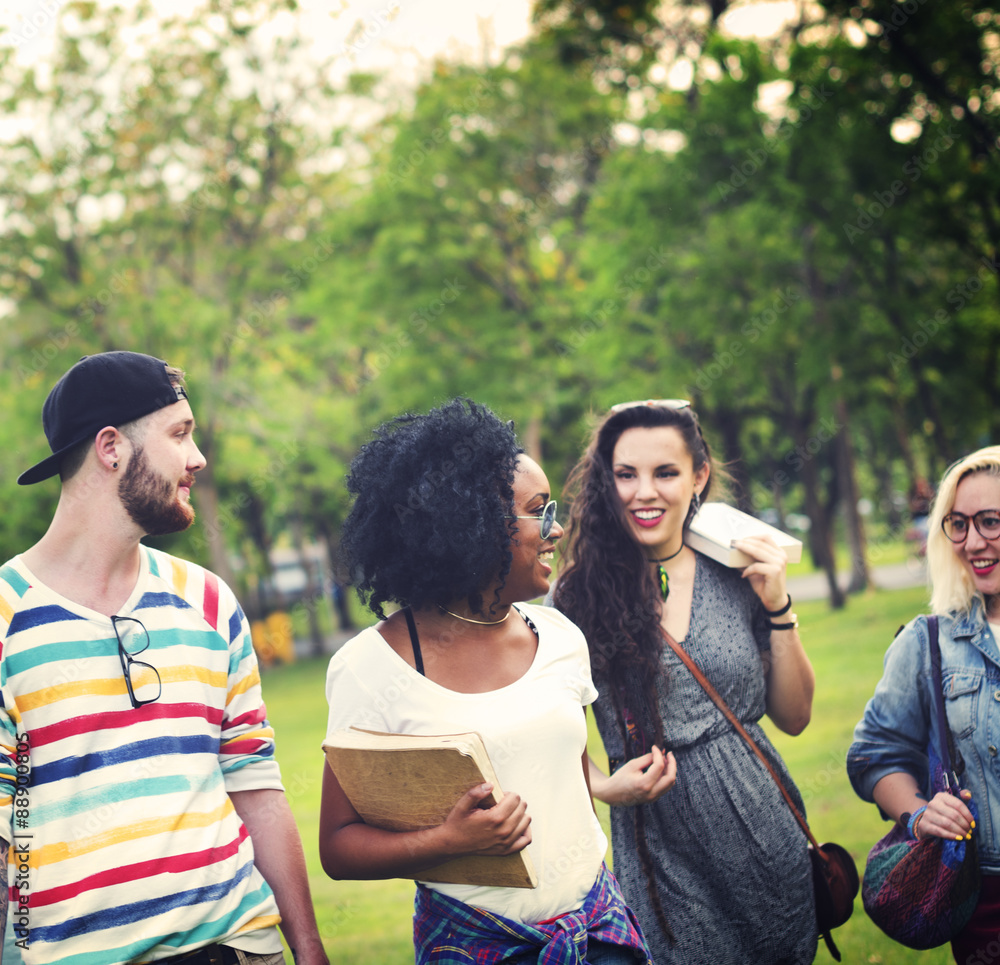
x,y
606,586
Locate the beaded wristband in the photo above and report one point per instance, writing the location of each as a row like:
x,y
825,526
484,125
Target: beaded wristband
x,y
911,825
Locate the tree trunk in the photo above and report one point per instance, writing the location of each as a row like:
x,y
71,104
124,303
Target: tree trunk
x,y
883,478
729,423
925,393
314,589
212,526
821,530
903,437
531,438
847,471
257,527
339,577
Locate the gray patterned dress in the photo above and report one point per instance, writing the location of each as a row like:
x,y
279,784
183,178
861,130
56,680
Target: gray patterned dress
x,y
730,861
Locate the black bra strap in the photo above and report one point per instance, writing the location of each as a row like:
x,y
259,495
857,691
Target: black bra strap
x,y
418,659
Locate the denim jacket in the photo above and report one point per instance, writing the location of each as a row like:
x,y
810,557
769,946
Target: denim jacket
x,y
899,720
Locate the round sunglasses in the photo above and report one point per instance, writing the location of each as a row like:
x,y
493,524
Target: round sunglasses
x,y
547,518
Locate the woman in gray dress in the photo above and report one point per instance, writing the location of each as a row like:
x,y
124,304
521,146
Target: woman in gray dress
x,y
707,852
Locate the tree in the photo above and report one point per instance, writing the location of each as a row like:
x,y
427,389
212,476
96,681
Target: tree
x,y
160,200
823,194
460,263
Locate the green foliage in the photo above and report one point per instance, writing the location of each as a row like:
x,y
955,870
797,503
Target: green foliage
x,y
804,242
159,202
624,40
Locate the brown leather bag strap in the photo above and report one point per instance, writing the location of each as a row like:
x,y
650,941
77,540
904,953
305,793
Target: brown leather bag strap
x,y
731,717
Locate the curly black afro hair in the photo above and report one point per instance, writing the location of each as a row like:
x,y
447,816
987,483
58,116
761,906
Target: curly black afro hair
x,y
431,493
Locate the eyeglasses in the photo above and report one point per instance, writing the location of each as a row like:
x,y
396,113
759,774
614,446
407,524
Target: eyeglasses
x,y
133,638
986,521
661,403
547,517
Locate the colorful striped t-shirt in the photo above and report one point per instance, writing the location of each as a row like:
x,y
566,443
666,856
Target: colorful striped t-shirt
x,y
125,845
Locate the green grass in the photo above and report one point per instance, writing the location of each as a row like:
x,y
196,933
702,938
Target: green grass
x,y
369,922
846,649
362,922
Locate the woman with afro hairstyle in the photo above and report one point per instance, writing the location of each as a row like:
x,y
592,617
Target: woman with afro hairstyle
x,y
708,853
453,523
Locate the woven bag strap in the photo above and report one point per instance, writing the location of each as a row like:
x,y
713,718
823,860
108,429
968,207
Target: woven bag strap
x,y
741,730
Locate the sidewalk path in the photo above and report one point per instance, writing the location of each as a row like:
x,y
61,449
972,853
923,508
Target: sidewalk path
x,y
896,576
811,586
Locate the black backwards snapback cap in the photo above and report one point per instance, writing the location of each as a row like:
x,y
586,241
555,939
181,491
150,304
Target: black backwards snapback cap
x,y
109,389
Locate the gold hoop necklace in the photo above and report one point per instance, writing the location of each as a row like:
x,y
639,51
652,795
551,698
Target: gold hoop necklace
x,y
482,623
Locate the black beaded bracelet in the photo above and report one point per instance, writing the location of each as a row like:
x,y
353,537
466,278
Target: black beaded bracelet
x,y
784,609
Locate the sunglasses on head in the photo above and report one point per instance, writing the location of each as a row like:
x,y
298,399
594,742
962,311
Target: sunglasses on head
x,y
652,403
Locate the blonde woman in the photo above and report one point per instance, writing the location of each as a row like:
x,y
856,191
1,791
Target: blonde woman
x,y
888,762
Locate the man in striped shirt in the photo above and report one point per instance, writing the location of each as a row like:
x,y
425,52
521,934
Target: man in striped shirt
x,y
142,815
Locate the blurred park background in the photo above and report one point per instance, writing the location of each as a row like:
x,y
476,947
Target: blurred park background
x,y
787,212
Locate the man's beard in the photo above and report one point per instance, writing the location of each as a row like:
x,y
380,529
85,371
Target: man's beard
x,y
152,501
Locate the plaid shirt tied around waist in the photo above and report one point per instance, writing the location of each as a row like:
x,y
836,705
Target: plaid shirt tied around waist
x,y
450,932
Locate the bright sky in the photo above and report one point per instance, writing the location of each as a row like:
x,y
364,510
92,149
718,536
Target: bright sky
x,y
384,33
373,33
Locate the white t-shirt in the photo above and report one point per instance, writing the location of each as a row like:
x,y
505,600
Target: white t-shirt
x,y
534,731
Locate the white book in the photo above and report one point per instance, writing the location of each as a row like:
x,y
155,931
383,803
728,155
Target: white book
x,y
716,525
